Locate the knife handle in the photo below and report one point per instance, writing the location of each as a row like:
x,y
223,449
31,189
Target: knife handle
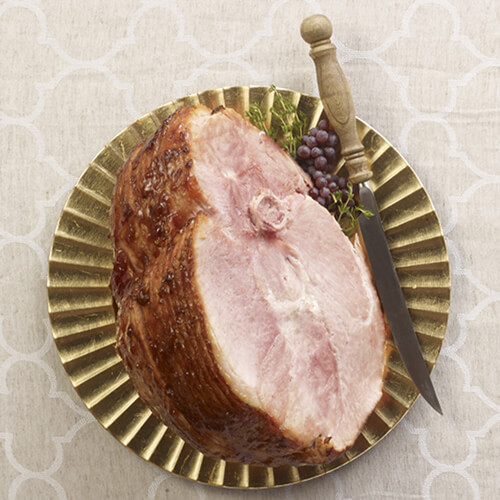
x,y
335,93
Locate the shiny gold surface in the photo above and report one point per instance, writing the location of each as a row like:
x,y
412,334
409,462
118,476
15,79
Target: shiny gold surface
x,y
82,314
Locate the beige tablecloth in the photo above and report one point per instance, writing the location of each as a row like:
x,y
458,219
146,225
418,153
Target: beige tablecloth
x,y
73,74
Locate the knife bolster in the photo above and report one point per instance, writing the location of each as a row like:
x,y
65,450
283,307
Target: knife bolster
x,y
357,166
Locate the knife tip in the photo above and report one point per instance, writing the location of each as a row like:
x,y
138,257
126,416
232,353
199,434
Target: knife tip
x,y
431,398
438,408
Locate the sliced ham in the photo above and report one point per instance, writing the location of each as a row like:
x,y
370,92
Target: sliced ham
x,y
246,319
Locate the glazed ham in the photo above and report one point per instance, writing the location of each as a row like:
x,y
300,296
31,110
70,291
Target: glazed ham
x,y
246,319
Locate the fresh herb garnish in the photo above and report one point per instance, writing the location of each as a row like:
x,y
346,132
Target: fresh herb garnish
x,y
254,114
291,122
346,212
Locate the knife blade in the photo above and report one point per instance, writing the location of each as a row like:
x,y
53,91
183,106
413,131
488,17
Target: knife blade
x,y
339,108
392,298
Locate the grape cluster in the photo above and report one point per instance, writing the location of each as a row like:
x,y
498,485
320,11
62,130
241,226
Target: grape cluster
x,y
318,155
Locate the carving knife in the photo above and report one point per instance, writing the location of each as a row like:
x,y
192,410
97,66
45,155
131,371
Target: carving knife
x,y
337,100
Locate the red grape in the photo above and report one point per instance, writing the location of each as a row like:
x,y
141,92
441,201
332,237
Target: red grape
x,y
303,152
320,163
322,136
314,193
311,141
324,192
315,152
320,182
333,140
323,125
329,152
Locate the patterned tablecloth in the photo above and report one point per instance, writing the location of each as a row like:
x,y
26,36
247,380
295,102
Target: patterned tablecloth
x,y
424,73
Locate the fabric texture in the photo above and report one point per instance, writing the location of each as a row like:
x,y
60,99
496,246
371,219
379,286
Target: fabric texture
x,y
424,73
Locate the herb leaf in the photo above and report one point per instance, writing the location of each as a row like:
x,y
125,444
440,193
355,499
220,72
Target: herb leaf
x,y
291,122
254,114
345,213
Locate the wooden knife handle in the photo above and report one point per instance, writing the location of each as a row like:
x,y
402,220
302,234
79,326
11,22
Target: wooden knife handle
x,y
335,94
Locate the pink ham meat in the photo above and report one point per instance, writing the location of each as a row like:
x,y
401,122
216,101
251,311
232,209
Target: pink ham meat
x,y
246,319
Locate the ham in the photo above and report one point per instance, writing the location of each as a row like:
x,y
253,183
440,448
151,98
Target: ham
x,y
247,321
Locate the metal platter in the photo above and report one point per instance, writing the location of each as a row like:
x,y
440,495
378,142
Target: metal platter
x,y
83,318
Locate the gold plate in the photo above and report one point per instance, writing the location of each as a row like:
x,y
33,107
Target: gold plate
x,y
83,319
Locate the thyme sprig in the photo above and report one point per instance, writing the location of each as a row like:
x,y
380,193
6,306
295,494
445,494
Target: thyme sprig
x,y
291,122
345,212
